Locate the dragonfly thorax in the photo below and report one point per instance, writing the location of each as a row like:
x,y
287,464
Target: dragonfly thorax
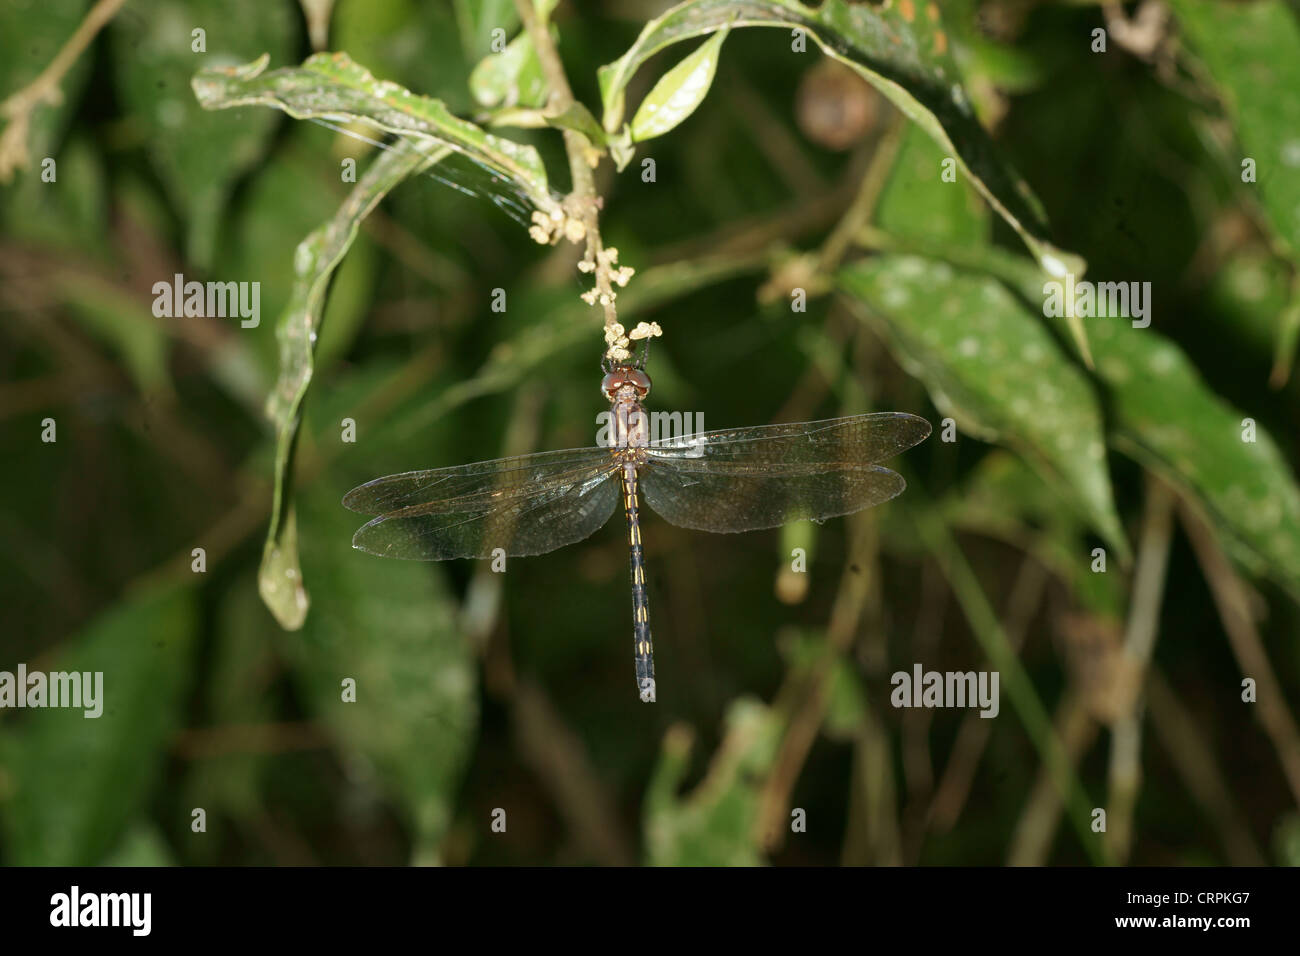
x,y
631,424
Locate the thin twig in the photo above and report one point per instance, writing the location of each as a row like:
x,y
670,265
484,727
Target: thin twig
x,y
1057,761
560,758
851,602
583,202
1031,844
964,759
813,271
1125,778
44,89
1186,744
874,836
771,134
1234,610
864,204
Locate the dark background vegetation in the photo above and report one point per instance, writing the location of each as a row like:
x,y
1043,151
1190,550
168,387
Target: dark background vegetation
x,y
480,691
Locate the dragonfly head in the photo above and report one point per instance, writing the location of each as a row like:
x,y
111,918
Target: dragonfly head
x,y
625,381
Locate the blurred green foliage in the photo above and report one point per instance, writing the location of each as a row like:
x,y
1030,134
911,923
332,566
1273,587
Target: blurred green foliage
x,y
919,186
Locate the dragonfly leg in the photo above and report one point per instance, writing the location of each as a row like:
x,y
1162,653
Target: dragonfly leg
x,y
643,645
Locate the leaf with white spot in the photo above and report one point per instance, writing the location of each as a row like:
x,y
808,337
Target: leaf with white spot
x,y
1253,53
280,579
679,91
330,86
903,51
1167,419
912,206
992,365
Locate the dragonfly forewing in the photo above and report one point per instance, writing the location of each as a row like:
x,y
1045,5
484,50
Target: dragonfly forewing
x,y
856,440
470,484
540,503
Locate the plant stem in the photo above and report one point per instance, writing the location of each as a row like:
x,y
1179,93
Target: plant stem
x,y
1058,761
1232,600
864,205
583,203
1125,776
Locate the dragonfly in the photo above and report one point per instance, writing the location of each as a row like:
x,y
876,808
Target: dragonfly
x,y
732,480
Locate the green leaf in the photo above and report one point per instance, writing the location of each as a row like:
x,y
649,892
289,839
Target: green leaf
x,y
197,157
76,782
1255,297
510,78
679,91
1253,53
715,824
280,579
330,86
478,18
513,77
917,204
903,54
1164,416
390,627
1169,420
993,366
1246,294
575,117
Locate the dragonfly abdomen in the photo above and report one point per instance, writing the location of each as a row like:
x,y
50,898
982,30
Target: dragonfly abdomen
x,y
642,643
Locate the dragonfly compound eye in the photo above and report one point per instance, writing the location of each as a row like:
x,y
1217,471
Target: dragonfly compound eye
x,y
623,376
612,382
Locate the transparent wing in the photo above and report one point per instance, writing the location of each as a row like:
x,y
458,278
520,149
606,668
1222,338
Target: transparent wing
x,y
743,479
465,484
856,440
527,505
730,497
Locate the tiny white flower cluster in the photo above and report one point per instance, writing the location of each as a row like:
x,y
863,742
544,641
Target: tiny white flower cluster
x,y
619,342
548,228
606,260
